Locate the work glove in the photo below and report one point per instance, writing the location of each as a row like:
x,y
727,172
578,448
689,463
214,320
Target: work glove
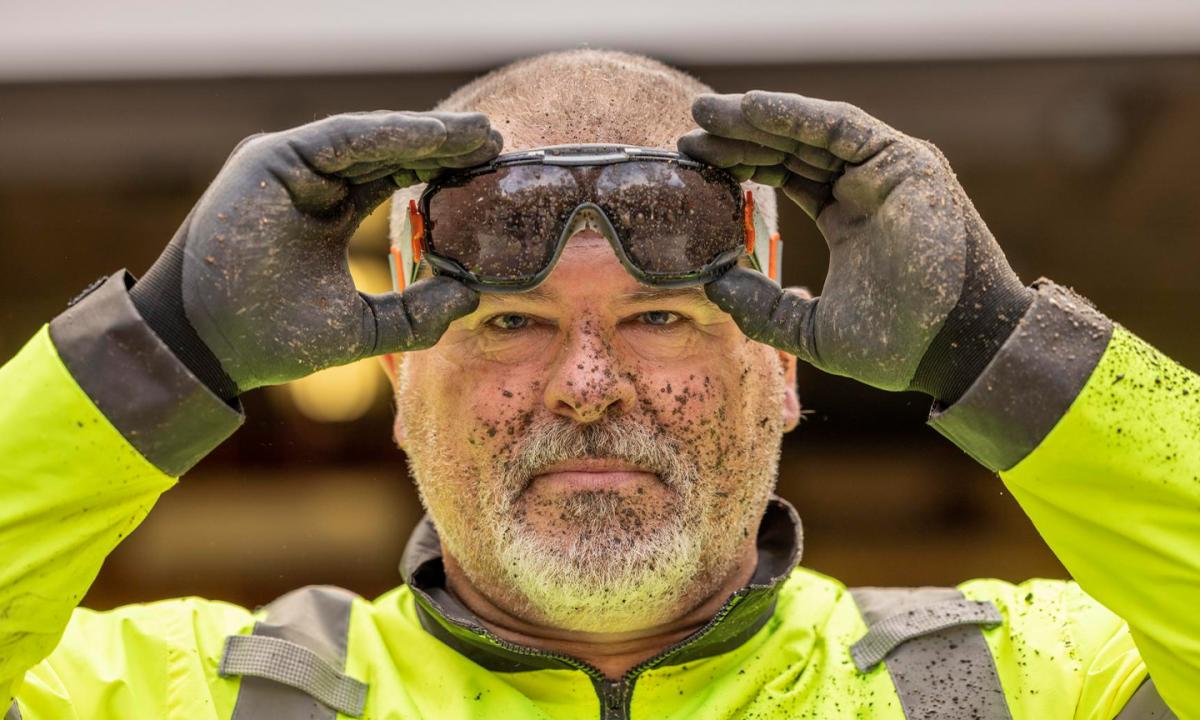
x,y
918,295
255,288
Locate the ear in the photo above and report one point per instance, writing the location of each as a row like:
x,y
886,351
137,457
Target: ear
x,y
791,397
390,363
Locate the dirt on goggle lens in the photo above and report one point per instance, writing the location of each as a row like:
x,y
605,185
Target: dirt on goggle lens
x,y
507,226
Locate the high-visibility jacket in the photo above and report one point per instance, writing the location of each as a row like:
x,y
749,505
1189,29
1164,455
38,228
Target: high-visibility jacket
x,y
1092,431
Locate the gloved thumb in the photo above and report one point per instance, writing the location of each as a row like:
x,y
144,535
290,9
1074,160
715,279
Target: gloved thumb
x,y
416,318
767,313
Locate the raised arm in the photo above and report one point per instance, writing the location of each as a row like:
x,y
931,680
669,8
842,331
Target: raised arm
x,y
134,383
1095,432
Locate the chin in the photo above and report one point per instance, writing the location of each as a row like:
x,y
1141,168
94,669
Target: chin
x,y
601,567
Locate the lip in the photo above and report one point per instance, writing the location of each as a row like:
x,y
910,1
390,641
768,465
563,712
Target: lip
x,y
592,474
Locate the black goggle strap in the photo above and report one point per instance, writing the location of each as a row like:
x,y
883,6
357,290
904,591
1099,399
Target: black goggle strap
x,y
404,258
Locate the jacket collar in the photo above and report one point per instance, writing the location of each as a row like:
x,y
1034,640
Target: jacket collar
x,y
780,541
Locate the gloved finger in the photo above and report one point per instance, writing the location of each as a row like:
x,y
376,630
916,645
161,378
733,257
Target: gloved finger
x,y
416,318
804,170
818,157
405,178
465,131
742,172
480,155
765,312
770,175
430,163
812,197
339,142
722,115
366,169
842,129
378,171
368,195
725,152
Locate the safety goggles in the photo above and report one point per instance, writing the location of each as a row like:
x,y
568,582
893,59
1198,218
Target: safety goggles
x,y
500,227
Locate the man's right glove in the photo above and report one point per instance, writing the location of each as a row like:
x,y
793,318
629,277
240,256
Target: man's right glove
x,y
918,295
255,287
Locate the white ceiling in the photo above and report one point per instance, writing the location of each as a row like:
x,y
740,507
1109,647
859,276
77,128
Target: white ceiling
x,y
81,39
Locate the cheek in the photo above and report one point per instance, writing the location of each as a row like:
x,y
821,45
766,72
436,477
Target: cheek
x,y
500,411
690,402
719,408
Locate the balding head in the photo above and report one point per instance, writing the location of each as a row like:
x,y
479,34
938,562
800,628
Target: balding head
x,y
582,96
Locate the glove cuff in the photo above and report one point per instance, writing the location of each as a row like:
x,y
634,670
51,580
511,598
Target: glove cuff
x,y
139,384
159,300
969,338
1031,382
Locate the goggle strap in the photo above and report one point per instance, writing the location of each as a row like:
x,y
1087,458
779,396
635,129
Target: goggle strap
x,y
418,231
748,221
776,251
396,265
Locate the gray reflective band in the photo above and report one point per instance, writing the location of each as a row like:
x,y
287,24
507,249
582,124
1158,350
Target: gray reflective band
x,y
890,632
294,665
297,671
14,712
936,656
1146,704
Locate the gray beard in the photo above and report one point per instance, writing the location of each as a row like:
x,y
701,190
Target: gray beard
x,y
620,568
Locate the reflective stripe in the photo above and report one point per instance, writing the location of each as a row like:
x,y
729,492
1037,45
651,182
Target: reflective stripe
x,y
890,632
14,712
936,655
300,678
1146,704
291,664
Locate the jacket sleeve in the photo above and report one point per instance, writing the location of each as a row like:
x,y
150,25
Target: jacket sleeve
x,y
98,419
1097,436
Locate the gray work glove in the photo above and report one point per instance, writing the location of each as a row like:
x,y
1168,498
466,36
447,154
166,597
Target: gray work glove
x,y
255,287
918,294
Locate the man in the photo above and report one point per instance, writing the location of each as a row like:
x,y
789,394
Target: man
x,y
593,411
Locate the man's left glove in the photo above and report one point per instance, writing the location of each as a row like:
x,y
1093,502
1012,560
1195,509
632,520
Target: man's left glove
x,y
918,294
255,289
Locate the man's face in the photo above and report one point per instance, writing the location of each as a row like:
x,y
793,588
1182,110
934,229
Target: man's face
x,y
595,452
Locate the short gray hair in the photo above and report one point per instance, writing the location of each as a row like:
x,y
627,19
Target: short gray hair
x,y
582,96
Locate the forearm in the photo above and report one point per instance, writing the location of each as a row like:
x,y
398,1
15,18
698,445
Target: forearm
x,y
78,475
1109,477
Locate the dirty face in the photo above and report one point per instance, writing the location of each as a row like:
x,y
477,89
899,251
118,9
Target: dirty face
x,y
595,453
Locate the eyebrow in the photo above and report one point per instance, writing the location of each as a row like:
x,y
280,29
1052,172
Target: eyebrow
x,y
537,295
649,294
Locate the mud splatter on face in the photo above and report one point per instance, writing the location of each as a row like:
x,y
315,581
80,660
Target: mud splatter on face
x,y
698,428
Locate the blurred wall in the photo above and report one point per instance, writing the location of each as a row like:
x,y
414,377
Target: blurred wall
x,y
1085,169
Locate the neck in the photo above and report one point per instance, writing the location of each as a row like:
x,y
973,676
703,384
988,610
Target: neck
x,y
612,653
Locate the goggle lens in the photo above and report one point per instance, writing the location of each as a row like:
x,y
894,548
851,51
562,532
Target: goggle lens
x,y
503,226
671,220
506,227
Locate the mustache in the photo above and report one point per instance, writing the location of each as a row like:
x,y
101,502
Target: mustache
x,y
557,440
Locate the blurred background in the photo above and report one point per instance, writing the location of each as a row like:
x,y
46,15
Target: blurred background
x,y
1073,126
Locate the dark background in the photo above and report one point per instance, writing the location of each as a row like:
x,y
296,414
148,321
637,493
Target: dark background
x,y
1085,170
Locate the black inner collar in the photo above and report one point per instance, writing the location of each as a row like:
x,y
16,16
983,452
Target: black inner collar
x,y
779,546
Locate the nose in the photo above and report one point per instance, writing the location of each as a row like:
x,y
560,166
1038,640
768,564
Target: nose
x,y
588,381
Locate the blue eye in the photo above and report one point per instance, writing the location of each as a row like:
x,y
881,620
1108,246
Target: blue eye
x,y
659,317
510,321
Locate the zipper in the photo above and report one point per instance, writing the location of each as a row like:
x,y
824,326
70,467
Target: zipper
x,y
616,696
